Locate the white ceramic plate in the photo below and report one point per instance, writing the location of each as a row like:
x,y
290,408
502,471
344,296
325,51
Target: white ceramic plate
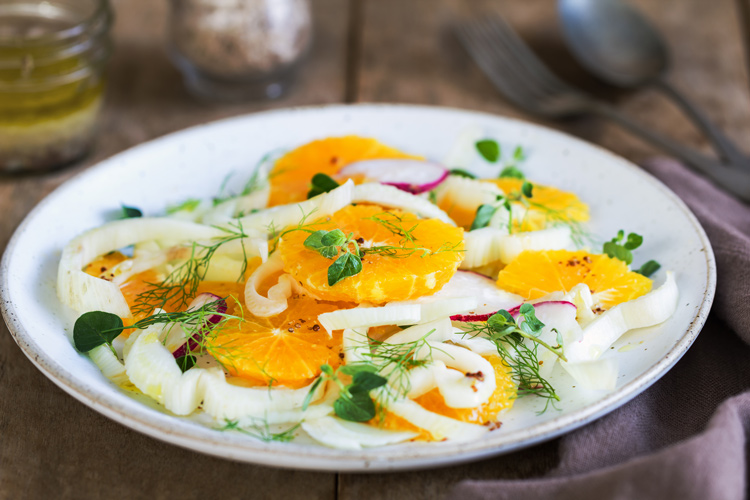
x,y
193,163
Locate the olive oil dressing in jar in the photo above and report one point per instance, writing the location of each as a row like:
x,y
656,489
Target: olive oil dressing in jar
x,y
52,59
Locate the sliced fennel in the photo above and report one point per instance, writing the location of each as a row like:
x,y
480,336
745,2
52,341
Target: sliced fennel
x,y
394,313
392,197
337,433
153,370
490,244
648,310
83,292
277,218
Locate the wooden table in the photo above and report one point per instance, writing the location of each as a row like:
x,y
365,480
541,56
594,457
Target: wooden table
x,y
51,446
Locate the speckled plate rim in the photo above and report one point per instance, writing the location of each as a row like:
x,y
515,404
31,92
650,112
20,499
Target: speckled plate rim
x,y
290,455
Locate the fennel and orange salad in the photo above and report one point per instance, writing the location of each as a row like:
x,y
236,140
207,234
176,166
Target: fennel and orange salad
x,y
361,295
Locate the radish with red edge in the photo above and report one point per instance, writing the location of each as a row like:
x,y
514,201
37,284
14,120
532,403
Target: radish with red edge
x,y
210,320
412,176
559,317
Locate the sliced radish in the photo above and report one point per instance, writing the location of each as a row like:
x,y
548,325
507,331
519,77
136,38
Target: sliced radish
x,y
412,176
559,317
490,298
211,320
543,305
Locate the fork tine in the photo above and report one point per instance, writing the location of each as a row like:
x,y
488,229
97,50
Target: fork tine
x,y
513,43
496,68
515,67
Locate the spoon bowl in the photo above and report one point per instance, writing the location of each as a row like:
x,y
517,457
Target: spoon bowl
x,y
617,44
614,41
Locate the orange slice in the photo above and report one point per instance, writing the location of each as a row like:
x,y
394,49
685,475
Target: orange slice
x,y
292,173
286,349
501,399
534,274
547,205
486,414
102,267
407,274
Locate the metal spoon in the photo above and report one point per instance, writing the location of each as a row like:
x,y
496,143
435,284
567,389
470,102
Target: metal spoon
x,y
613,41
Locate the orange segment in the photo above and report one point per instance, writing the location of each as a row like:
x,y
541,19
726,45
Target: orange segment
x,y
462,215
101,267
534,274
546,206
286,349
501,399
384,278
291,175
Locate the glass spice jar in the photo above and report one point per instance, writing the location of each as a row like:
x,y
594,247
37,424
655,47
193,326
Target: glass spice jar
x,y
52,58
239,49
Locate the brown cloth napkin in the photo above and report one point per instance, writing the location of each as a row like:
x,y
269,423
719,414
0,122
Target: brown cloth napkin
x,y
686,437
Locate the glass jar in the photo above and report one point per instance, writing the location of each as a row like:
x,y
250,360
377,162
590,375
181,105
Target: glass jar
x,y
52,58
239,49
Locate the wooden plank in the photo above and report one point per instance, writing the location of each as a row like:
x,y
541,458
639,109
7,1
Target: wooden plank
x,y
410,56
52,446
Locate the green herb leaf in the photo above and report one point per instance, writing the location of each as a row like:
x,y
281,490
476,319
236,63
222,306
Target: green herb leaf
x,y
130,212
462,173
649,268
634,241
346,265
519,154
333,238
483,216
365,381
489,149
318,241
512,172
96,328
321,183
531,325
355,368
500,321
186,362
617,251
315,240
527,189
310,394
187,206
358,407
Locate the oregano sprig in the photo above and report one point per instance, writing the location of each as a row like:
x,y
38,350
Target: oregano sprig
x,y
354,402
321,183
489,149
486,211
335,244
621,248
95,328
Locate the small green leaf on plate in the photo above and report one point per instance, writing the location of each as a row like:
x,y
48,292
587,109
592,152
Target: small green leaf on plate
x,y
489,149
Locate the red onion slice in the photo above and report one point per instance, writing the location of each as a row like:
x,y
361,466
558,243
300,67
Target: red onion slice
x,y
475,318
514,312
199,301
412,176
490,298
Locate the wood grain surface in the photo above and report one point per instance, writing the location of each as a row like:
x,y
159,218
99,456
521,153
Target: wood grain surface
x,y
51,446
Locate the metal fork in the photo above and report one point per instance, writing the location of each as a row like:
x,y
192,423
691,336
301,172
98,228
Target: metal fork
x,y
519,74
